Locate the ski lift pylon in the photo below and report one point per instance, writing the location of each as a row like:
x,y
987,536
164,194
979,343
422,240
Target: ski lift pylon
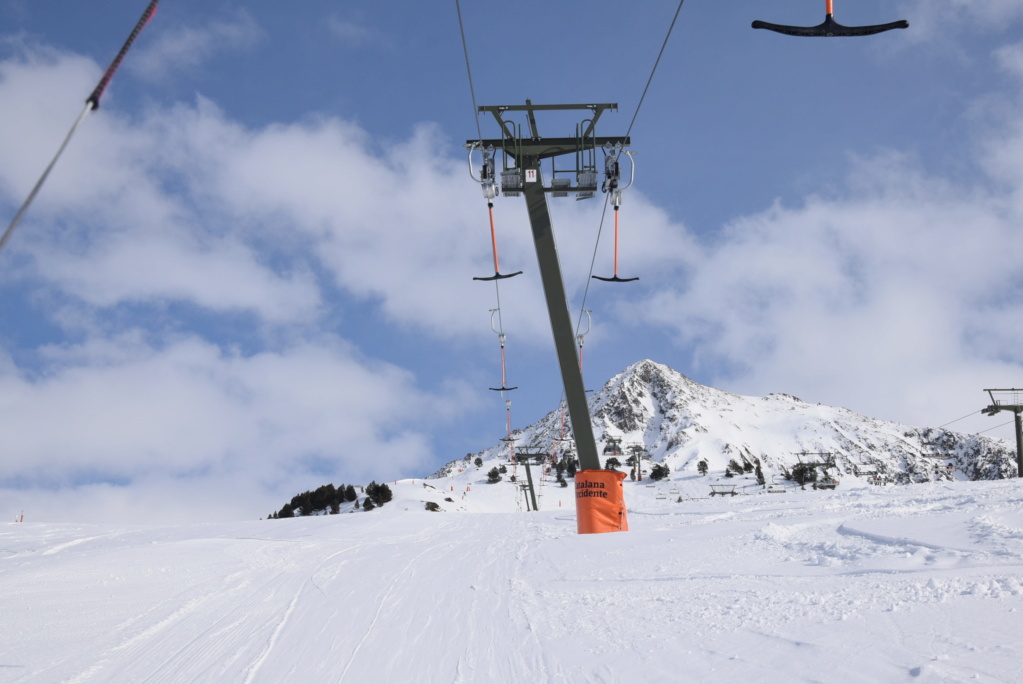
x,y
830,27
612,179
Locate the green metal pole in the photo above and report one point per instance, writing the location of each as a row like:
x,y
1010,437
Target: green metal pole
x,y
557,307
529,478
1019,444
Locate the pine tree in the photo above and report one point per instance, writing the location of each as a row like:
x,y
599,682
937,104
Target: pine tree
x,y
379,493
368,504
570,468
321,498
302,503
701,468
804,473
350,494
659,472
494,476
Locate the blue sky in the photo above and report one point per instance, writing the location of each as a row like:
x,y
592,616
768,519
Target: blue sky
x,y
251,271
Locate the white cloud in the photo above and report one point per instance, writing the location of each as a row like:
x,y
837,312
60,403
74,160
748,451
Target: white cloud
x,y
193,415
189,205
934,21
184,47
223,275
896,298
166,208
353,32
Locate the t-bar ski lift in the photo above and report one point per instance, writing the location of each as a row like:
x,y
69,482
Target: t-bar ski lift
x,y
488,183
830,28
612,186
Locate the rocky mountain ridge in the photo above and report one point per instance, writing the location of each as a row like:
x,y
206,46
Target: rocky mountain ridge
x,y
671,419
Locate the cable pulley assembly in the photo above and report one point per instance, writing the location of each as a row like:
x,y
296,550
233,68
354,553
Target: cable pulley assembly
x,y
830,27
612,186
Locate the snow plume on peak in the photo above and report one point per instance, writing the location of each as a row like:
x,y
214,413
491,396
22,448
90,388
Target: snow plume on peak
x,y
678,421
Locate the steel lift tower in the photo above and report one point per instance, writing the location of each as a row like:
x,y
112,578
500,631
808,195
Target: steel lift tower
x,y
522,175
1009,400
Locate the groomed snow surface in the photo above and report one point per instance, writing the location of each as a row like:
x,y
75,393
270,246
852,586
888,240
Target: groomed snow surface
x,y
922,583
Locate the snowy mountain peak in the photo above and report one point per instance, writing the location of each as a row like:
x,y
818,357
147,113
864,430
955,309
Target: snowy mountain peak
x,y
678,421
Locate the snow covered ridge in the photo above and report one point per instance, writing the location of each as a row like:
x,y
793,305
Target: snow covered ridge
x,y
680,422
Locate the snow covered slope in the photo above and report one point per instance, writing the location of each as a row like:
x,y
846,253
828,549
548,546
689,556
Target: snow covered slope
x,y
681,422
919,583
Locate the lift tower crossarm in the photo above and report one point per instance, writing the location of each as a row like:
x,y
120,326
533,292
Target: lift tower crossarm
x,y
545,148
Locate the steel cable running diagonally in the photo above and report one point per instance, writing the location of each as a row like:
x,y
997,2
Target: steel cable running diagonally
x,y
91,103
499,329
632,123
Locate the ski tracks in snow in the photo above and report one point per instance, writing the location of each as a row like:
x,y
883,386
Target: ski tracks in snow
x,y
275,636
385,600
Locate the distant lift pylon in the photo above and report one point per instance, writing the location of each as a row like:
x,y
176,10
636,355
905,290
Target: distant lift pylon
x,y
830,27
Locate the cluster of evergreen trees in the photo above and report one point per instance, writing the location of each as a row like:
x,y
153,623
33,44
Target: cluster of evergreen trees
x,y
659,471
328,499
735,468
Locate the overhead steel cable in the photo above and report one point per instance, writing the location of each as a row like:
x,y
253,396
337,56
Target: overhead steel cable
x,y
468,69
593,261
995,427
497,279
90,104
642,98
972,413
656,62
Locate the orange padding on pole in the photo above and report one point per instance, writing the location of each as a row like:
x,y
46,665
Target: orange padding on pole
x,y
600,501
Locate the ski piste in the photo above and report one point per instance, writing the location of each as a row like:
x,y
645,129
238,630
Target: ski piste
x,y
91,103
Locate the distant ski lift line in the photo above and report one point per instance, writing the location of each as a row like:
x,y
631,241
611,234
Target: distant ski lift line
x,y
91,103
830,28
